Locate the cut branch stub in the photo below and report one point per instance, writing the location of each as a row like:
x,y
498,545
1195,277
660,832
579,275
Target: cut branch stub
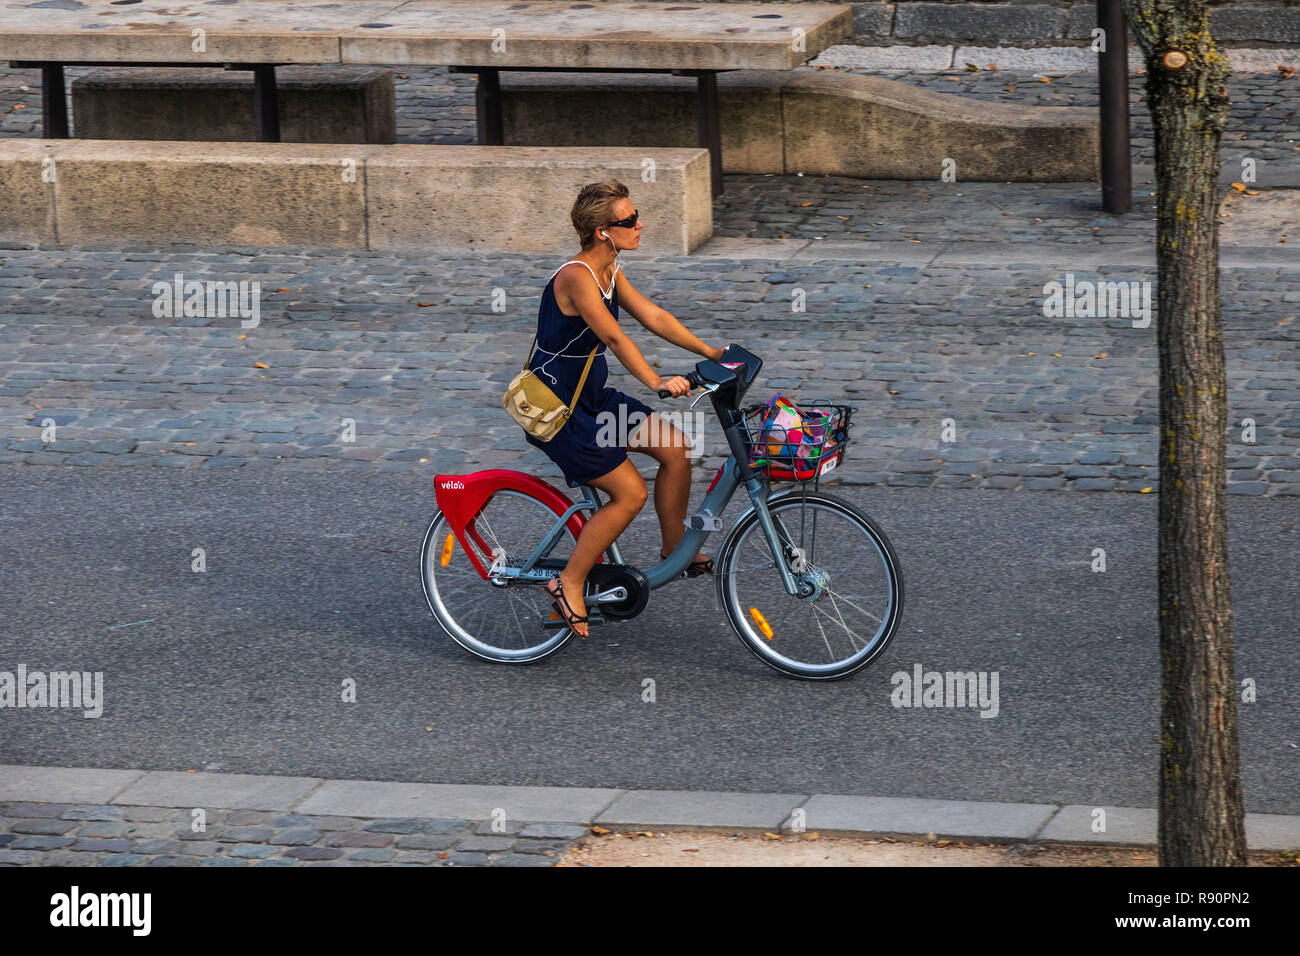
x,y
1174,60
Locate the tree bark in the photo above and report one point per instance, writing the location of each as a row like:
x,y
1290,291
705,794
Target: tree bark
x,y
1201,818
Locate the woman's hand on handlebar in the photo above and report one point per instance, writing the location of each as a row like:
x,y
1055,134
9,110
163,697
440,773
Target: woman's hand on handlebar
x,y
673,387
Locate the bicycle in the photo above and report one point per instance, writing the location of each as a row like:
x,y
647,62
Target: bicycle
x,y
498,536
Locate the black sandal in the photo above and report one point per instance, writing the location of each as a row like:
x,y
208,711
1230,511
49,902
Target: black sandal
x,y
696,568
566,612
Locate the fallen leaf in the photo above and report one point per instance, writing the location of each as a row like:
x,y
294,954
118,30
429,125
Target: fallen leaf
x,y
1100,355
1286,71
243,336
805,204
943,843
599,831
691,849
1144,491
993,67
972,68
812,836
260,365
284,288
425,305
771,836
1044,79
1056,355
443,855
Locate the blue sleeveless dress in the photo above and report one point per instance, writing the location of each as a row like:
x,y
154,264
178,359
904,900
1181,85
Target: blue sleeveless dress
x,y
591,443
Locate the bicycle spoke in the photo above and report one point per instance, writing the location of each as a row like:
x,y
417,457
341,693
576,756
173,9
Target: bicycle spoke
x,y
841,628
495,622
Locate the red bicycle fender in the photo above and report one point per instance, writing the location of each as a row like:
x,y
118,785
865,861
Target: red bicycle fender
x,y
461,497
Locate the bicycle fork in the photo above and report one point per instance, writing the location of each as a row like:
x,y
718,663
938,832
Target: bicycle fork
x,y
758,494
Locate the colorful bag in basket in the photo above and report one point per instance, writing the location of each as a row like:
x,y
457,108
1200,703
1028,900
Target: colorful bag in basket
x,y
790,434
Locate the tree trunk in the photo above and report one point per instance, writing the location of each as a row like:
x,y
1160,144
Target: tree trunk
x,y
1201,819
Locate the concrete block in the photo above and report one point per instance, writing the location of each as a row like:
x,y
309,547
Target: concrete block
x,y
962,21
944,818
78,785
539,107
317,105
222,791
1124,825
1269,831
680,807
517,199
813,121
870,127
1057,59
873,19
934,57
27,212
254,194
366,798
704,36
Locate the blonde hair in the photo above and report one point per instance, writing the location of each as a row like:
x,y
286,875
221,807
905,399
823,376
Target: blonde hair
x,y
594,208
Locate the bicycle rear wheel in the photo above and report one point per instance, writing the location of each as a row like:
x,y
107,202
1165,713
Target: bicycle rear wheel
x,y
842,559
499,622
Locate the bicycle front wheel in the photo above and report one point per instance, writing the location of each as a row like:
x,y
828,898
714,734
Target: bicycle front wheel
x,y
501,621
846,567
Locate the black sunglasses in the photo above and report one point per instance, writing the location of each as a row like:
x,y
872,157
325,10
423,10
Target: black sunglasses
x,y
629,222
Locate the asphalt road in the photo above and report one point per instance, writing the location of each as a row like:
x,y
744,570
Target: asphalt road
x,y
312,578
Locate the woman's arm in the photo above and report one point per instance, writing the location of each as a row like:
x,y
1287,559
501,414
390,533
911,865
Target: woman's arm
x,y
580,287
660,321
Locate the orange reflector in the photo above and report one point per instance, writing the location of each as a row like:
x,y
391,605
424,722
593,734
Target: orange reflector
x,y
446,549
761,622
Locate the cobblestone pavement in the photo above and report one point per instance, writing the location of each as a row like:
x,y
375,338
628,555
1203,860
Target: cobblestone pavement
x,y
410,349
57,834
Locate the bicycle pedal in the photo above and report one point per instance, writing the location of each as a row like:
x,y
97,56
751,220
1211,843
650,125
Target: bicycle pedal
x,y
555,622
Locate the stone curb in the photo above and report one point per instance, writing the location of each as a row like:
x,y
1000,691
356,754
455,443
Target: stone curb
x,y
1056,59
900,816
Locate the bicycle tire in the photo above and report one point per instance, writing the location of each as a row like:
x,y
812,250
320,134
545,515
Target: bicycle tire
x,y
479,644
762,648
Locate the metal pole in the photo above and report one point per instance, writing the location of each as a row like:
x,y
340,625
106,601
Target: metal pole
x,y
54,104
1112,70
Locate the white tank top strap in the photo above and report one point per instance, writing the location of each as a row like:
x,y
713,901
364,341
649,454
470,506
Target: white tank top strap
x,y
603,293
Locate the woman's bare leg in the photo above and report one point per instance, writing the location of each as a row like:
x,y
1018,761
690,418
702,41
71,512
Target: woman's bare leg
x,y
627,496
668,446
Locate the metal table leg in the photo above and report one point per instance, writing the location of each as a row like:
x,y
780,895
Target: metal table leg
x,y
707,116
266,104
54,103
487,107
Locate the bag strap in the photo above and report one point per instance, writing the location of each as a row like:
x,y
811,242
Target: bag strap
x,y
582,381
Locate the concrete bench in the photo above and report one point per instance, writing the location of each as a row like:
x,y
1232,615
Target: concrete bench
x,y
317,105
401,197
813,122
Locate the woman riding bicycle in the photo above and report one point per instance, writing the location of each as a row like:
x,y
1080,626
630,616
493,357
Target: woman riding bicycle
x,y
579,312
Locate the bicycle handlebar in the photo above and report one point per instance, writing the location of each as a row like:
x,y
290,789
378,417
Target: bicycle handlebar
x,y
690,377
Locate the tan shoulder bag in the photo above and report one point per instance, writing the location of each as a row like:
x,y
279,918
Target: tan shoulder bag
x,y
536,408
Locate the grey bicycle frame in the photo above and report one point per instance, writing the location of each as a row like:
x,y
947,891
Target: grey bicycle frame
x,y
715,502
